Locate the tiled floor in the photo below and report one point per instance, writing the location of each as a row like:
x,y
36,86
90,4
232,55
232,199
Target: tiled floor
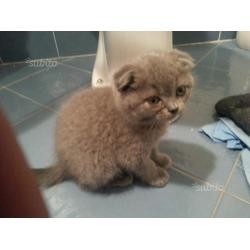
x,y
207,180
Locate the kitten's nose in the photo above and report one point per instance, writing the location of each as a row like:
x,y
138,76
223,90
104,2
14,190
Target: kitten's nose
x,y
174,110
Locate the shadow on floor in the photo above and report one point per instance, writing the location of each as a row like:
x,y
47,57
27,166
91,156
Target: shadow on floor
x,y
192,156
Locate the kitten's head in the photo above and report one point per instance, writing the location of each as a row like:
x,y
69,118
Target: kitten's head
x,y
154,87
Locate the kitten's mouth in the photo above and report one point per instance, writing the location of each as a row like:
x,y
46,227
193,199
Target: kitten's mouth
x,y
175,117
164,114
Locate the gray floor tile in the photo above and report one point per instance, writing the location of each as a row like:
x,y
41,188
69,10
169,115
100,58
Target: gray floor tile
x,y
229,59
13,72
179,198
197,51
238,184
16,108
213,84
197,114
83,62
232,45
232,208
36,137
52,84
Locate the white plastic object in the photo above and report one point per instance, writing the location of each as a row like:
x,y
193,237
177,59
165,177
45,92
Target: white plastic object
x,y
117,47
243,39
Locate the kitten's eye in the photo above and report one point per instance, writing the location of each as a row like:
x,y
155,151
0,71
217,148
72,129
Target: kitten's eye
x,y
181,91
154,99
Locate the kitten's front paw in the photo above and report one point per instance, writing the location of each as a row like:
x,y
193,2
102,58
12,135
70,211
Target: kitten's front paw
x,y
161,179
164,161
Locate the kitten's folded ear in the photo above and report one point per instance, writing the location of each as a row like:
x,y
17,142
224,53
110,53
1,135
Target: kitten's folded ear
x,y
185,61
126,78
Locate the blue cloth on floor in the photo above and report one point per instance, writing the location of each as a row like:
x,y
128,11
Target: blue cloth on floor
x,y
226,131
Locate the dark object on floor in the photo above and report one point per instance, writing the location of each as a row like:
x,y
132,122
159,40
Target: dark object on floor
x,y
236,108
19,192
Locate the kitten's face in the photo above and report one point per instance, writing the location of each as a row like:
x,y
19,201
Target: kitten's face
x,y
155,87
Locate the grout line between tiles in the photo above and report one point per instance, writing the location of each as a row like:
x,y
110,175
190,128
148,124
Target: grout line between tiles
x,y
57,50
191,176
219,200
219,37
208,53
237,197
48,105
204,43
67,58
28,98
213,68
73,67
21,79
30,115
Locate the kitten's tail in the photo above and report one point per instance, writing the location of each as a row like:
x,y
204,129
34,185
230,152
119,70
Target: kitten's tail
x,y
49,176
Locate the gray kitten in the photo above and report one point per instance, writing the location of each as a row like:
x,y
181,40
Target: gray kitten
x,y
106,136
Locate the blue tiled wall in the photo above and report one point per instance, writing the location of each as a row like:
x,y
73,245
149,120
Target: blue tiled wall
x,y
182,37
21,45
75,43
